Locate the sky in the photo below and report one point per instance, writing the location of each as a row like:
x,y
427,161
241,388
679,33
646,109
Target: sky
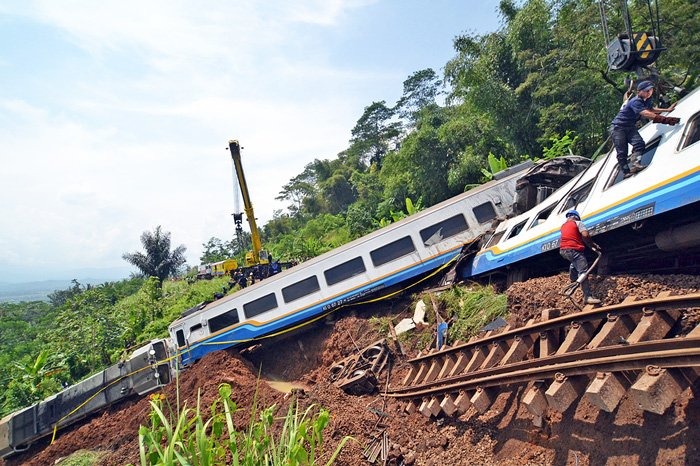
x,y
115,116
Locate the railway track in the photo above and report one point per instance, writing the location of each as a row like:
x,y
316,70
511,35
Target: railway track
x,y
633,347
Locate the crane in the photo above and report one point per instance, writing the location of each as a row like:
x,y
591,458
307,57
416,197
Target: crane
x,y
258,255
630,50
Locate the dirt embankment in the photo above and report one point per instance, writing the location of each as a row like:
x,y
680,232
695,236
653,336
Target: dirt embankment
x,y
504,435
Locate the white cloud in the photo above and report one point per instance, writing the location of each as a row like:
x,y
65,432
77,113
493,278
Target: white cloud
x,y
123,125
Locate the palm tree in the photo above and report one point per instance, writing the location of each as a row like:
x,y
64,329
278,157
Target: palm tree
x,y
157,261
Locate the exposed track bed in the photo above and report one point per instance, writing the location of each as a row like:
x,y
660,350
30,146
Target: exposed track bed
x,y
605,352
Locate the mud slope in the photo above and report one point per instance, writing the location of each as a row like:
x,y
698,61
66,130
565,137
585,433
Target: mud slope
x,y
505,435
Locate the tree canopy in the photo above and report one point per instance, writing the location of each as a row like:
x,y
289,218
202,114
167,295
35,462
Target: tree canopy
x,y
157,260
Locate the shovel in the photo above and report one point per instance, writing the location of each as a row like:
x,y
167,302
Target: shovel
x,y
571,288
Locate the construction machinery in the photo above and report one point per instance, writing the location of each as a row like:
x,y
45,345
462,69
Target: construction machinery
x,y
633,50
258,255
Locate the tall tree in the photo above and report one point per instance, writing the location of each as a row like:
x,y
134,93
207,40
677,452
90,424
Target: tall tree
x,y
419,91
375,134
158,260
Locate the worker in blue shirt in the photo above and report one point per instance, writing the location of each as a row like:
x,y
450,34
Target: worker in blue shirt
x,y
624,127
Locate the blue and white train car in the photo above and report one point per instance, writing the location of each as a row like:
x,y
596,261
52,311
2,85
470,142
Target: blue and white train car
x,y
657,209
401,251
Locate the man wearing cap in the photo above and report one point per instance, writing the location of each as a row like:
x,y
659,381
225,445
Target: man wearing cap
x,y
624,127
574,238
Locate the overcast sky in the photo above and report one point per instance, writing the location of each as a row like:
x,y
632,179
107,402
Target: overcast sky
x,y
115,116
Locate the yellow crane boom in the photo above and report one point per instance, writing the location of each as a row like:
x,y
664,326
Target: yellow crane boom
x,y
258,255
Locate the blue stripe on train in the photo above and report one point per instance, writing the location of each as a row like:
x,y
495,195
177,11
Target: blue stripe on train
x,y
247,331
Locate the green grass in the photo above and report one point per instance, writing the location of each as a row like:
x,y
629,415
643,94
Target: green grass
x,y
182,436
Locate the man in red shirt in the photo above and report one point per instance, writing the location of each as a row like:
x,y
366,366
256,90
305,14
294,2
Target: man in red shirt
x,y
574,238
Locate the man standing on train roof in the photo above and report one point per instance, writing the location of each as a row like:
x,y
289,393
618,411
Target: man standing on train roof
x,y
624,127
574,238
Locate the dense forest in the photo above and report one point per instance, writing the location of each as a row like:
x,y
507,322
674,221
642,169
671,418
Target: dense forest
x,y
538,87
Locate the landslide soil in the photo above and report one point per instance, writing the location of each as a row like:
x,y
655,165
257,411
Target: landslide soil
x,y
505,435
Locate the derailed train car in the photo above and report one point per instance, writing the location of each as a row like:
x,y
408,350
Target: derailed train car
x,y
650,221
348,274
143,372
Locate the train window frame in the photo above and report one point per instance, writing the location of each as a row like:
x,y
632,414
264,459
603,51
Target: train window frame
x,y
427,233
195,327
251,309
517,229
585,189
495,239
180,337
220,322
300,289
547,211
392,251
344,271
479,215
647,158
691,128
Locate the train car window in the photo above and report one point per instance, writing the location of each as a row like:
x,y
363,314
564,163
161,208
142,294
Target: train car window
x,y
300,289
344,271
484,212
692,133
180,336
392,251
542,216
223,321
495,239
260,305
578,196
517,229
195,327
443,230
647,157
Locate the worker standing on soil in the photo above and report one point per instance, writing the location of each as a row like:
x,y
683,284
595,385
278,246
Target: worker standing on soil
x,y
624,127
574,238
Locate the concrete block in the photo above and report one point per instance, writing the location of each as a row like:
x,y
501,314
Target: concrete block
x,y
496,353
448,404
577,337
564,391
463,402
695,333
435,367
463,358
606,390
447,366
548,344
548,314
419,313
656,389
483,399
422,372
535,400
411,407
615,330
404,326
413,371
518,350
477,359
424,409
653,326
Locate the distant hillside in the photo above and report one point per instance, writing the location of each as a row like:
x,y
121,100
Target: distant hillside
x,y
38,291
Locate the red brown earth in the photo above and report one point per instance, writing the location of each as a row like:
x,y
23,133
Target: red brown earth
x,y
505,435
